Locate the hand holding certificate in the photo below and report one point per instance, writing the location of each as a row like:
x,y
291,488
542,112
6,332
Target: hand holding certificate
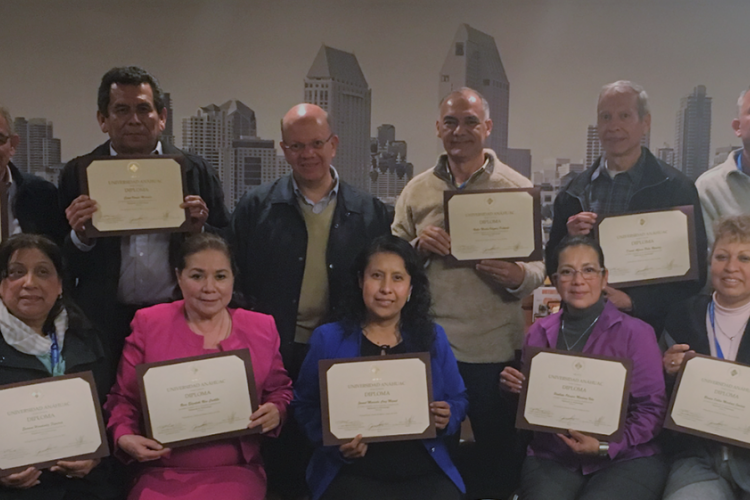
x,y
198,399
382,398
45,421
494,224
711,399
135,195
566,390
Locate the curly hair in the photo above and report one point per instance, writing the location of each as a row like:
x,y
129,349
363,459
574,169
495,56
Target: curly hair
x,y
416,323
732,229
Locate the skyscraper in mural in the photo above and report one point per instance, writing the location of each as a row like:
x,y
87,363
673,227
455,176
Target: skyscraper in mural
x,y
693,140
389,171
335,82
226,136
37,148
473,61
167,135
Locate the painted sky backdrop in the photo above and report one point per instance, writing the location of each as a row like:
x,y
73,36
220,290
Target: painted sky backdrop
x,y
557,54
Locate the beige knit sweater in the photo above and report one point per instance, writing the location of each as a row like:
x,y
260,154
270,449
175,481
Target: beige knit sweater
x,y
482,319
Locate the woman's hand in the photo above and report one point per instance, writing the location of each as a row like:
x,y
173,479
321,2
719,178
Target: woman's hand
x,y
511,380
672,359
442,412
581,443
267,416
22,480
142,448
78,468
354,448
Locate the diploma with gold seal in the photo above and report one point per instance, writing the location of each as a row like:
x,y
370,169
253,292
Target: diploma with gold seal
x,y
494,224
711,399
135,194
47,420
198,399
656,246
566,390
383,398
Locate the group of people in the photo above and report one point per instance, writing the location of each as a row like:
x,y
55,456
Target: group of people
x,y
309,268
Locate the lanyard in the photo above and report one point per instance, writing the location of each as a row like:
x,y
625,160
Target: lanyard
x,y
712,317
54,350
739,161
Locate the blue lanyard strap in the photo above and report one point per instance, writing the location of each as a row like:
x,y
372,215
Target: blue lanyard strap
x,y
54,350
712,317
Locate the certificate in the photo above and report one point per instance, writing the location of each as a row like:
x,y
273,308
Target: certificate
x,y
649,247
384,398
51,419
711,399
199,399
565,390
494,224
135,195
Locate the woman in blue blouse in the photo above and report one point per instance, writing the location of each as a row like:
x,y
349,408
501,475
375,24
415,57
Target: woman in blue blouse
x,y
388,314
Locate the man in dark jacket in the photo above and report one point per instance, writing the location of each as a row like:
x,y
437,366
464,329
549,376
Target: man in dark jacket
x,y
111,277
627,178
32,201
295,241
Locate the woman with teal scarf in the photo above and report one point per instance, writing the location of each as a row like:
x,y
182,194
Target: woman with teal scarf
x,y
44,337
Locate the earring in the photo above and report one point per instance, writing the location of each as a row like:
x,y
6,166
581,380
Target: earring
x,y
408,297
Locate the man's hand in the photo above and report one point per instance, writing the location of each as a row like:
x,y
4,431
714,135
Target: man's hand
x,y
197,211
580,443
508,274
581,223
511,380
354,448
142,448
620,299
77,468
78,214
22,480
435,240
267,416
442,412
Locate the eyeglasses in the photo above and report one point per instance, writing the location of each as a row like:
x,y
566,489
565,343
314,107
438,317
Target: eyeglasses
x,y
298,147
588,273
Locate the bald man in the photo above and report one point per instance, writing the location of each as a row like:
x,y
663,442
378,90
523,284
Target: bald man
x,y
295,240
480,306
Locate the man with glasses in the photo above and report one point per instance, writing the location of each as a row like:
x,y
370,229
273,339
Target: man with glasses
x,y
32,201
478,306
627,178
295,241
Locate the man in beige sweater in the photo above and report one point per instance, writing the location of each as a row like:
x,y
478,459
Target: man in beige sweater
x,y
479,307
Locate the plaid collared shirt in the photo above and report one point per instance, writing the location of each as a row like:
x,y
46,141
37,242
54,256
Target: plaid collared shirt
x,y
607,195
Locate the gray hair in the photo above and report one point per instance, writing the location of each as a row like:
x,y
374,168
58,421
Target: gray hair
x,y
623,86
742,97
463,90
8,119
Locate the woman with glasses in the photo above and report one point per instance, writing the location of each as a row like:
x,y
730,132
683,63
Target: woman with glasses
x,y
714,325
575,465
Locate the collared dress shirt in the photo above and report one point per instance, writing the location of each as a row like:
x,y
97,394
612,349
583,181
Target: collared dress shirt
x,y
610,194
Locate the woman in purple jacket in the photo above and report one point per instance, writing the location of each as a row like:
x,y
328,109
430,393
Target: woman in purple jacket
x,y
576,465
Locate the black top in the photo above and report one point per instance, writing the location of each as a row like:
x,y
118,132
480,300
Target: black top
x,y
394,460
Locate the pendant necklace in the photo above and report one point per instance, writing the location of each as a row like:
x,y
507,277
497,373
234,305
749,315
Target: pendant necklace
x,y
565,338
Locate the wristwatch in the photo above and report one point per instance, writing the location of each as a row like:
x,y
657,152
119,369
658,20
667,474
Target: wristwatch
x,y
603,448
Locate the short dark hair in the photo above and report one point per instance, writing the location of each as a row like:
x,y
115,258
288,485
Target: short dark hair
x,y
199,242
578,241
416,325
128,75
21,241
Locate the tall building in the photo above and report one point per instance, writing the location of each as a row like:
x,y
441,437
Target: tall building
x,y
473,61
693,140
37,149
520,161
389,170
335,82
666,154
594,146
167,135
226,136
